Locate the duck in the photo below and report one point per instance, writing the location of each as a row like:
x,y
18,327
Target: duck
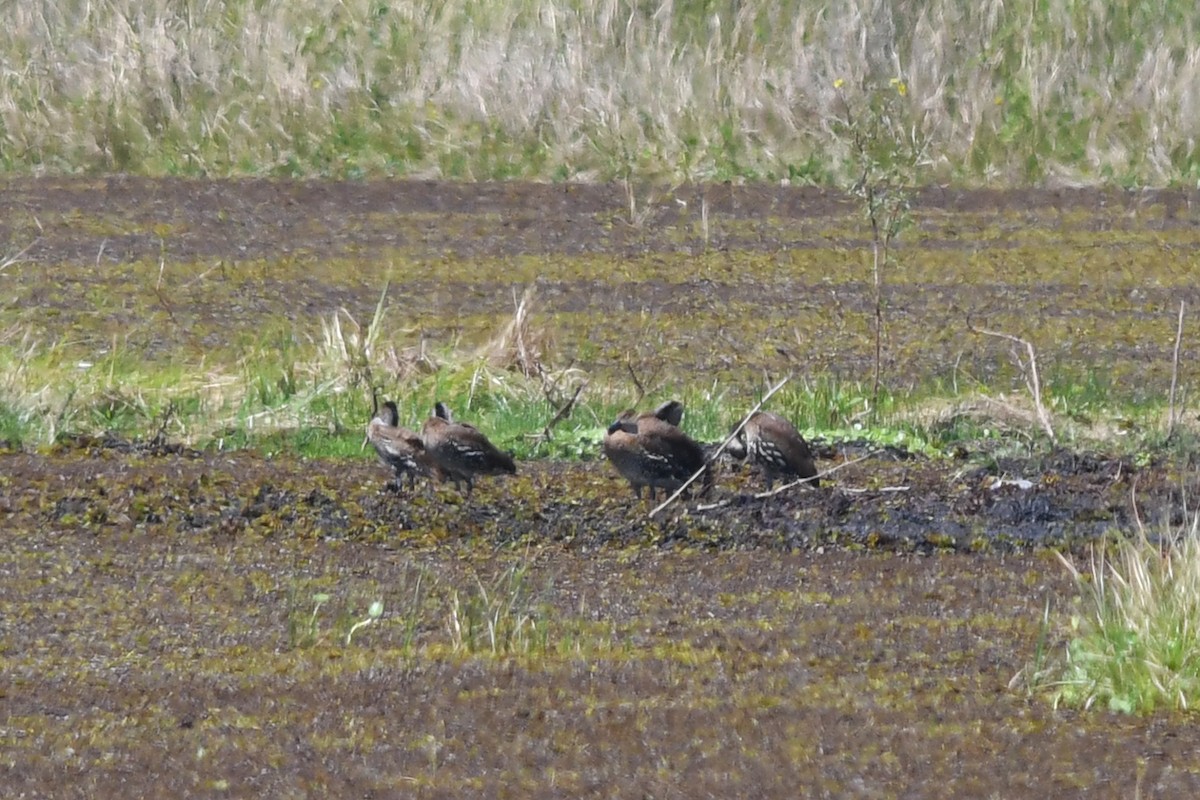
x,y
460,451
772,444
650,450
397,446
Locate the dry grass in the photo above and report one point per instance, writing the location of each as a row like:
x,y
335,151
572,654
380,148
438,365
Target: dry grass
x,y
1134,645
999,411
519,345
1001,91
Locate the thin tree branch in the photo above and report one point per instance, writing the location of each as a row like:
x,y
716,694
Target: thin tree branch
x,y
1171,419
641,390
547,432
1031,380
716,453
830,471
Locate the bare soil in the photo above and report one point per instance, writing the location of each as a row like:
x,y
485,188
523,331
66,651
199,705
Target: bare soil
x,y
856,641
688,285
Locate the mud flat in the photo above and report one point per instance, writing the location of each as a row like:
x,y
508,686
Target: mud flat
x,y
161,623
152,603
692,285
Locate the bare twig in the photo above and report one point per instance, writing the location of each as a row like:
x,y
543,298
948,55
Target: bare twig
x,y
563,413
641,390
819,475
716,453
1171,418
1032,381
843,465
877,285
160,436
18,257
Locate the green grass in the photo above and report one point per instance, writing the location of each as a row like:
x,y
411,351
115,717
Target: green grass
x,y
304,385
1002,92
1132,643
315,401
280,350
425,615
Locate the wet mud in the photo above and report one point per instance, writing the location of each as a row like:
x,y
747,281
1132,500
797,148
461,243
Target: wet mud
x,y
700,283
833,643
854,641
876,499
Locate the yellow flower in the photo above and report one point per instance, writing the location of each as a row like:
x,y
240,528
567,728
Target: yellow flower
x,y
839,83
901,87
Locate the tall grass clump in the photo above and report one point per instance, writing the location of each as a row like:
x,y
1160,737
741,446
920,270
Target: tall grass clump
x,y
506,618
1002,91
1133,643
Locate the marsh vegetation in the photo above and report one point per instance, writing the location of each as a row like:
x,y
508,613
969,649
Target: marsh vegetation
x,y
1008,93
187,370
208,587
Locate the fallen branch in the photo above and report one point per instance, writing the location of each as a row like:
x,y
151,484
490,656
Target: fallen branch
x,y
784,488
1032,381
1171,419
819,475
716,454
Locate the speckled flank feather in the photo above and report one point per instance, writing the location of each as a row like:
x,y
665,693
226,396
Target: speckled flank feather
x,y
461,451
773,445
398,447
649,450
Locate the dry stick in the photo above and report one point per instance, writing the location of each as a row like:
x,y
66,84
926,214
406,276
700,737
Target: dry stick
x,y
19,256
1175,374
830,471
1032,381
877,280
160,437
716,454
641,390
562,414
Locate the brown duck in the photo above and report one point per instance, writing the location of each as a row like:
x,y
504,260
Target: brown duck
x,y
773,445
650,450
398,447
460,451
